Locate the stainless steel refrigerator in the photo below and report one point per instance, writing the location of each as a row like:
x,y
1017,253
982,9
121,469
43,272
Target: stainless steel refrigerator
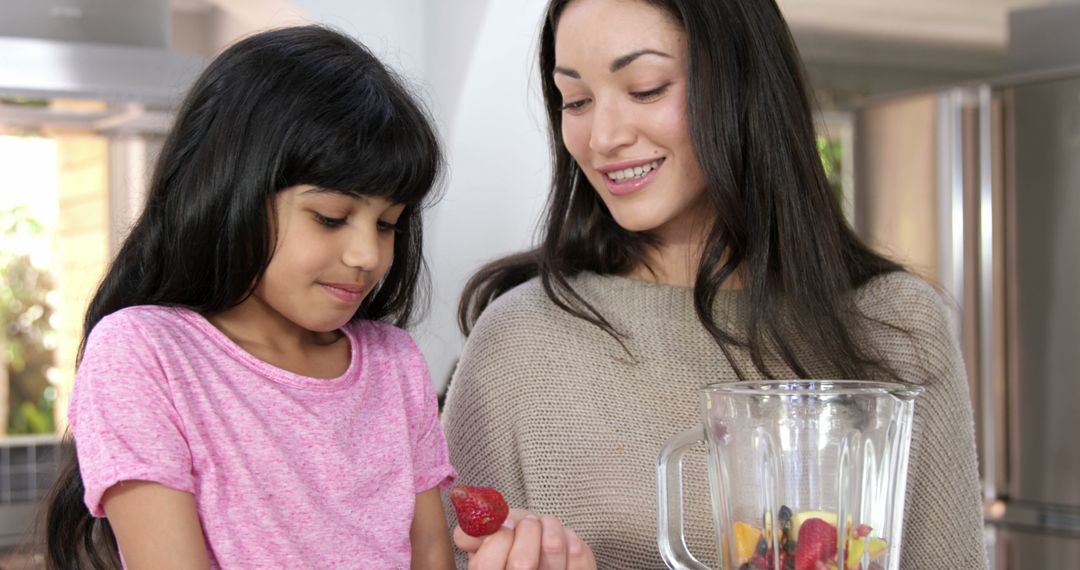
x,y
977,187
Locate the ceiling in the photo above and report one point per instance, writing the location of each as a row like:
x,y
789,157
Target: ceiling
x,y
888,44
972,23
978,24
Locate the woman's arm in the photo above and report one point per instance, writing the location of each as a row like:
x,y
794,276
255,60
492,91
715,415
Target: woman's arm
x,y
429,535
943,528
156,527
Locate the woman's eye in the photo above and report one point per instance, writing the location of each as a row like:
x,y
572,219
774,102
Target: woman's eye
x,y
650,95
574,105
389,227
328,221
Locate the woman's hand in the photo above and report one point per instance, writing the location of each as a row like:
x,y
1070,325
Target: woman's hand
x,y
527,542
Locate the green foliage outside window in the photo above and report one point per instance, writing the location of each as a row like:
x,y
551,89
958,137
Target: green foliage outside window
x,y
832,158
27,339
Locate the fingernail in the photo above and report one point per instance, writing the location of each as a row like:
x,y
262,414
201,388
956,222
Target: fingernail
x,y
508,523
573,544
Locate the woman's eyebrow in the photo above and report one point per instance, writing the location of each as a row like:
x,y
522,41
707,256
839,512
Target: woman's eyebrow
x,y
623,61
619,62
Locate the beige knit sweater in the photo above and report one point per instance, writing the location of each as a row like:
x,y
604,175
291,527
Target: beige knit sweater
x,y
549,409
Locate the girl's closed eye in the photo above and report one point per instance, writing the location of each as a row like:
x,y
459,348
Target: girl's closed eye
x,y
329,221
650,95
385,226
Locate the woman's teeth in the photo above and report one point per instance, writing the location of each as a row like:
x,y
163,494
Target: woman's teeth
x,y
635,172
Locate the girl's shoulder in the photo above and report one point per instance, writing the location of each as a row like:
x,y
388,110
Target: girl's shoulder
x,y
141,321
381,336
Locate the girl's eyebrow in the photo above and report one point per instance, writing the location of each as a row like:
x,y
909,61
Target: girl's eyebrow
x,y
619,62
321,190
317,190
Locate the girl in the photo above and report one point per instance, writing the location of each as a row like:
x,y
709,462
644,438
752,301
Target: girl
x,y
691,238
242,399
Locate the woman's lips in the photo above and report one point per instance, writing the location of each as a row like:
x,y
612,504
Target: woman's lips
x,y
630,185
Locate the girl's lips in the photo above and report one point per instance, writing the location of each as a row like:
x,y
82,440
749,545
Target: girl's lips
x,y
346,294
631,185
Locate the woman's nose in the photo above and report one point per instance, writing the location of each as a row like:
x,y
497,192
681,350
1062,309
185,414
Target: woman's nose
x,y
610,129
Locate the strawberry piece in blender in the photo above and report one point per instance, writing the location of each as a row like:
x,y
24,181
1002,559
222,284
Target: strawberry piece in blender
x,y
817,543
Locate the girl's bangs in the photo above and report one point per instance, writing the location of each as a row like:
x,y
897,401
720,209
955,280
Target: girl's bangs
x,y
379,147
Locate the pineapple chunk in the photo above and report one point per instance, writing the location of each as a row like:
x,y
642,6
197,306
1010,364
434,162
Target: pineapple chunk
x,y
746,541
797,519
877,547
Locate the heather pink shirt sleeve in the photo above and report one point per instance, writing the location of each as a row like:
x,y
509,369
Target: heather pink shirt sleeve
x,y
123,418
431,459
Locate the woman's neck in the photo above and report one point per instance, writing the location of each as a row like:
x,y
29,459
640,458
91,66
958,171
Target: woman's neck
x,y
674,264
675,257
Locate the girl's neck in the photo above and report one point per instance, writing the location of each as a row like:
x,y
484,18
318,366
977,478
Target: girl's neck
x,y
267,335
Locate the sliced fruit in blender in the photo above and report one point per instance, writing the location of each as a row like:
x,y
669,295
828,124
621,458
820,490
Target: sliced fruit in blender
x,y
797,520
817,543
746,541
807,540
872,545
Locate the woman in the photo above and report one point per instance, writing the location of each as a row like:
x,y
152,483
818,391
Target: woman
x,y
691,237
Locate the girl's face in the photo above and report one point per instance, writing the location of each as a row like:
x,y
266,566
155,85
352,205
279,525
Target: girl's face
x,y
331,251
620,66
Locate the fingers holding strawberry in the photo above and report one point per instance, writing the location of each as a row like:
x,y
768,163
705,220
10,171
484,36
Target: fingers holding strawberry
x,y
520,539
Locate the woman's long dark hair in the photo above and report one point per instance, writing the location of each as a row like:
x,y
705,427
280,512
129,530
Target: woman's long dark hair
x,y
303,105
777,220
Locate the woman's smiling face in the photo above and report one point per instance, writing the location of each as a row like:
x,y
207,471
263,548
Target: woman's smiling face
x,y
621,69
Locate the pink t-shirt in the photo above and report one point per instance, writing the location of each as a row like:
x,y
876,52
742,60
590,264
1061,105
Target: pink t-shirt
x,y
287,471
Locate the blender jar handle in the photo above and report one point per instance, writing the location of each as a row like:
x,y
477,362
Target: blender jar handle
x,y
670,537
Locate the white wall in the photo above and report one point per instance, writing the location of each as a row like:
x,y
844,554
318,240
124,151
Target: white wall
x,y
497,151
394,30
474,64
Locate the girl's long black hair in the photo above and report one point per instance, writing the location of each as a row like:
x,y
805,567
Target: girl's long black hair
x,y
303,105
777,221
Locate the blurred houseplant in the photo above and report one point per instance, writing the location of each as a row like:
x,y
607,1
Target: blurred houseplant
x,y
27,337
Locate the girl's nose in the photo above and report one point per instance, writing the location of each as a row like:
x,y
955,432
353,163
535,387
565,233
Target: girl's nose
x,y
610,130
362,250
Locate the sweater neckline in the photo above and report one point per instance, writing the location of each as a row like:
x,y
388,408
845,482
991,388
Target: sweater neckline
x,y
670,302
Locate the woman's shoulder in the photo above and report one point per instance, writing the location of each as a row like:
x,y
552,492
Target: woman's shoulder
x,y
908,321
903,298
519,306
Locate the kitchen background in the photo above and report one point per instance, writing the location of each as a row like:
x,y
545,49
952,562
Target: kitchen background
x,y
951,128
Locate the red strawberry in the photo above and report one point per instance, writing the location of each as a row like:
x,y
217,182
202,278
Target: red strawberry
x,y
817,543
480,510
